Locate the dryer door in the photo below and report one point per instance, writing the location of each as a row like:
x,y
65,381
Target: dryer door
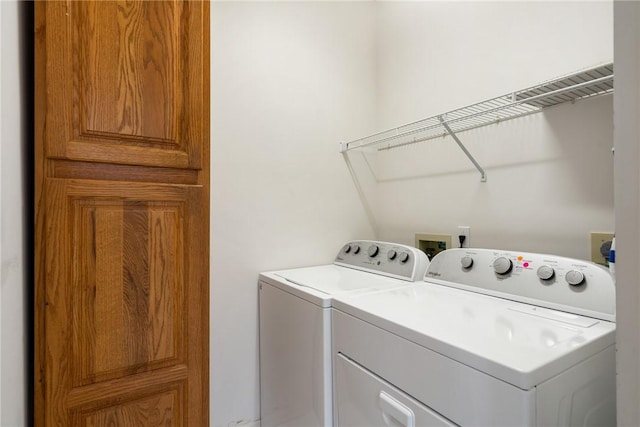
x,y
364,399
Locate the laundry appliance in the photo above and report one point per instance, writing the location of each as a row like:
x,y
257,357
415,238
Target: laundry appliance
x,y
491,338
295,326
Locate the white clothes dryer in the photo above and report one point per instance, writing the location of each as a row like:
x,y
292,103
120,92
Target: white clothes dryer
x,y
491,338
295,326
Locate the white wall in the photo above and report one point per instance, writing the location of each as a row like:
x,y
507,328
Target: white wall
x,y
550,176
289,81
627,196
13,284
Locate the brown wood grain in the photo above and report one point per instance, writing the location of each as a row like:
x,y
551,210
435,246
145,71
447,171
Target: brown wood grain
x,y
125,275
139,100
166,272
128,278
161,411
107,171
90,397
130,82
122,213
57,333
40,172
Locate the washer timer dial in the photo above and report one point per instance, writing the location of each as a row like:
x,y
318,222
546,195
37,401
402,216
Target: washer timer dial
x,y
545,272
574,277
502,265
373,250
466,261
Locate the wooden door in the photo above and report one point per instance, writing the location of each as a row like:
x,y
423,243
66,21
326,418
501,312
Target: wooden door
x,y
122,213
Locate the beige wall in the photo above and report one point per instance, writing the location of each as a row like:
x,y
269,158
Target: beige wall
x,y
289,80
627,197
13,218
550,175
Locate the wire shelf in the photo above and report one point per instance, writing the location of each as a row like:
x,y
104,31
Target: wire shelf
x,y
581,85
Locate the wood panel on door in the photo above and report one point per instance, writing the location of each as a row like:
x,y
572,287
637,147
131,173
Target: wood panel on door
x,y
129,83
123,282
122,213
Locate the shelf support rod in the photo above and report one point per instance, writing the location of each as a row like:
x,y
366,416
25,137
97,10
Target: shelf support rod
x,y
483,175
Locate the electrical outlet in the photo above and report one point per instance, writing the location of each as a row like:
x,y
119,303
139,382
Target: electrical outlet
x,y
464,230
600,245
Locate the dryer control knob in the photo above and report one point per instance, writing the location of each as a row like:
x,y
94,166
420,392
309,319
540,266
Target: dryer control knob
x,y
355,249
466,261
545,272
404,257
502,265
346,249
373,250
574,277
392,254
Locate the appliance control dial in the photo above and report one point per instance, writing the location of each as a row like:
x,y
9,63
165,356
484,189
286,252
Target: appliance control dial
x,y
346,249
373,250
356,249
404,257
574,277
545,272
392,254
502,265
466,261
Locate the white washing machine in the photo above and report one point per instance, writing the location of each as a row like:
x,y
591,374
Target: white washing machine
x,y
491,338
295,326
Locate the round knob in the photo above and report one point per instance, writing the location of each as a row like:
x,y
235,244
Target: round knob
x,y
392,255
574,277
545,272
356,249
466,261
373,250
346,249
404,257
502,265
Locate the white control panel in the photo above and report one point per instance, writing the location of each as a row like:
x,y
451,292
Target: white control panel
x,y
565,284
389,259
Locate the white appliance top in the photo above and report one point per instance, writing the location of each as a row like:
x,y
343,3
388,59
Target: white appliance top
x,y
520,343
360,266
560,283
384,258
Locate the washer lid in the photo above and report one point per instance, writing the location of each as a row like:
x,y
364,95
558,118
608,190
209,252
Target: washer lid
x,y
319,284
519,343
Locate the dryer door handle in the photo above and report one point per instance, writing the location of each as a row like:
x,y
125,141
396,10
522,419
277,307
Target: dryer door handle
x,y
392,408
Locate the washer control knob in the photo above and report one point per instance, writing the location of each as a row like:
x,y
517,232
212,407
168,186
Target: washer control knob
x,y
574,277
392,254
502,265
545,272
373,250
403,257
356,249
466,261
346,249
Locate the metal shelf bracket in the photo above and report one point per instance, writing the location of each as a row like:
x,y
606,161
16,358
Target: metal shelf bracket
x,y
483,175
577,86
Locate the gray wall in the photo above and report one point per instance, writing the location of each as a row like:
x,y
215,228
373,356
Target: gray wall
x,y
16,130
627,198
